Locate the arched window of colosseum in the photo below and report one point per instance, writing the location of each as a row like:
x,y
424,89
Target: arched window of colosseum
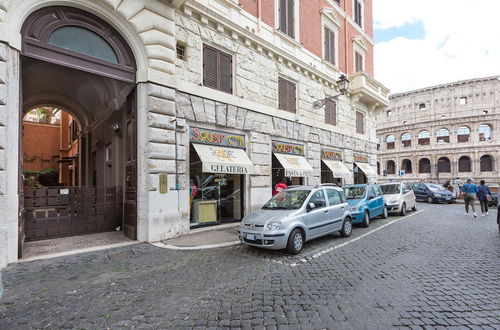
x,y
485,132
486,163
464,164
391,141
443,135
444,165
424,165
407,166
391,167
424,138
463,134
406,140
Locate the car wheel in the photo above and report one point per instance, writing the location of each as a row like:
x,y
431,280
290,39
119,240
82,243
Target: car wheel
x,y
403,210
346,228
429,200
385,213
414,208
295,241
366,219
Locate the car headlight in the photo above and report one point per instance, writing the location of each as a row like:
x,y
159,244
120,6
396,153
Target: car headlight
x,y
354,208
273,225
437,195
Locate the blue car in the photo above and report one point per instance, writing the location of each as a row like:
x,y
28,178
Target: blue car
x,y
432,193
366,201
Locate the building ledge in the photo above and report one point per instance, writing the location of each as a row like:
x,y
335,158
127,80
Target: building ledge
x,y
369,91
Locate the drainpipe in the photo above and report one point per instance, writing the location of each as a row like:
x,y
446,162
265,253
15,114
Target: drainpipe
x,y
345,45
259,14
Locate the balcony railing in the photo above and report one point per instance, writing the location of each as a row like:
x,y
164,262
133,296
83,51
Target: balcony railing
x,y
369,90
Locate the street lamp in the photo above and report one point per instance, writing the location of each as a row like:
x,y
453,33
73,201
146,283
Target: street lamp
x,y
342,84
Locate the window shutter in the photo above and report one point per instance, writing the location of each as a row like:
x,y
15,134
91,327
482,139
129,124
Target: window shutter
x,y
332,46
331,112
359,123
360,15
291,19
209,67
327,44
225,66
282,14
281,94
292,96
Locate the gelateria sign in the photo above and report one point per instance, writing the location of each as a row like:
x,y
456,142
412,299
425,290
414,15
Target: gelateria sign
x,y
331,154
216,138
361,158
288,148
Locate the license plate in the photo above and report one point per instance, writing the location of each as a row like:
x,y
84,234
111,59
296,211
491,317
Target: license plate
x,y
448,198
250,237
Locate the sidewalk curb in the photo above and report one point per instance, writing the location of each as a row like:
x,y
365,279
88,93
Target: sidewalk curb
x,y
194,248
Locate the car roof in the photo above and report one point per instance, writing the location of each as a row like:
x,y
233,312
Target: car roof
x,y
358,185
314,187
387,183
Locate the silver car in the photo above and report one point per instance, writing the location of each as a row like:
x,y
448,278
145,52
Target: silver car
x,y
297,215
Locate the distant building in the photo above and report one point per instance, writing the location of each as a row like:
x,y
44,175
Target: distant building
x,y
442,132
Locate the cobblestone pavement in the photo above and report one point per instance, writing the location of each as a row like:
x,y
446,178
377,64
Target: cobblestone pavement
x,y
435,269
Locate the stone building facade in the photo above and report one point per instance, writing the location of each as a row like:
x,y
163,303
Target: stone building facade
x,y
164,83
442,132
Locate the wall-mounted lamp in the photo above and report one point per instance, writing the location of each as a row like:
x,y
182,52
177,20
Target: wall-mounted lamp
x,y
116,129
342,84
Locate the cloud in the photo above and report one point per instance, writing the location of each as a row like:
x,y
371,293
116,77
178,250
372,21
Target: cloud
x,y
461,42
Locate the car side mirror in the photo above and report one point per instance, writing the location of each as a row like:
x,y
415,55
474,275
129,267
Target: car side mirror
x,y
371,197
311,206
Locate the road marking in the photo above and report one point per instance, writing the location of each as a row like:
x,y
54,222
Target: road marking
x,y
199,247
322,252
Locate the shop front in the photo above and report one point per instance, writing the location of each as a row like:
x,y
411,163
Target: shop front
x,y
289,164
363,171
218,168
333,170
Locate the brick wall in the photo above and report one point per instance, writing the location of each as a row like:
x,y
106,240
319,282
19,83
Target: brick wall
x,y
40,146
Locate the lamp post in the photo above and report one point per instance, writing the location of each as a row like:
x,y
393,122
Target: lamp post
x,y
342,84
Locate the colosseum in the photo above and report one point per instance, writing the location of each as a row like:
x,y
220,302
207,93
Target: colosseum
x,y
442,132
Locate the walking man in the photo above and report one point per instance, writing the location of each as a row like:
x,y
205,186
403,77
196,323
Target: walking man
x,y
484,196
456,185
469,190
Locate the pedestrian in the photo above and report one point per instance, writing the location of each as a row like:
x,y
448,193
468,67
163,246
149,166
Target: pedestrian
x,y
457,183
484,196
280,187
469,190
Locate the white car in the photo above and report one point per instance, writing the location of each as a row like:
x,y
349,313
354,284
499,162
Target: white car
x,y
399,197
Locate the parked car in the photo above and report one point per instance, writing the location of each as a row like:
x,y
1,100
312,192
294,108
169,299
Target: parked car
x,y
432,193
297,215
494,199
498,217
366,201
399,197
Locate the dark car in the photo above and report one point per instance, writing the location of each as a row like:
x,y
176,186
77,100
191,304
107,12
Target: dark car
x,y
432,193
494,199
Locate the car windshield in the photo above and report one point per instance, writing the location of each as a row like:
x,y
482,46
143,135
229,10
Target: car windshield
x,y
287,200
390,188
435,187
355,192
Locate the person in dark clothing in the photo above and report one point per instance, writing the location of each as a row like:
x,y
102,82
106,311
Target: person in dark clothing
x,y
483,194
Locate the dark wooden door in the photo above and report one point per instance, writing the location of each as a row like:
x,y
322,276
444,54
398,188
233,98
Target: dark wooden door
x,y
21,214
130,184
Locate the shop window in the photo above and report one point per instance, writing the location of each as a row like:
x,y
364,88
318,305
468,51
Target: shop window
x,y
406,165
286,17
463,134
358,61
484,133
330,45
181,51
443,135
287,91
424,138
391,167
360,122
217,69
391,142
330,112
486,163
406,140
444,165
463,100
464,164
424,165
358,12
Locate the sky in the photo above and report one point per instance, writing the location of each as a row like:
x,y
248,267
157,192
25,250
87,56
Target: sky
x,y
420,43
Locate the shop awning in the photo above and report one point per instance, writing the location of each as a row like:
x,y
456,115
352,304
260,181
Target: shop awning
x,y
368,170
338,168
216,159
295,166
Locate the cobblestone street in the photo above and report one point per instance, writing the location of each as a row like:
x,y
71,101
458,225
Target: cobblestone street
x,y
436,268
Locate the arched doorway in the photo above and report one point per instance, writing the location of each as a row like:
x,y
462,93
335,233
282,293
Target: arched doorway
x,y
75,61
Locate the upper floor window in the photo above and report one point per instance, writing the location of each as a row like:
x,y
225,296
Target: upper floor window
x,y
389,113
391,141
287,93
463,100
217,69
424,138
330,45
358,12
359,60
484,133
421,106
330,112
360,122
180,51
443,135
463,134
287,17
406,140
